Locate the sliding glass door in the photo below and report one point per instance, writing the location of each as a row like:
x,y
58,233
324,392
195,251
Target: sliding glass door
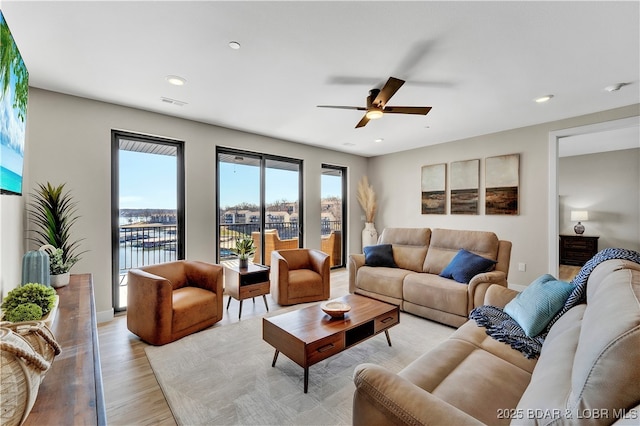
x,y
333,212
259,198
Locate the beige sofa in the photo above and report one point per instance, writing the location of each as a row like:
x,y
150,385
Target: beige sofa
x,y
421,254
588,371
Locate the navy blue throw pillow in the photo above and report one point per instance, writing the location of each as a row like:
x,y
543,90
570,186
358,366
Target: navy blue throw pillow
x,y
379,255
466,265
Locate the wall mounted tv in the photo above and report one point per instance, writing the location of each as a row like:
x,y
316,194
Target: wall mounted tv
x,y
14,83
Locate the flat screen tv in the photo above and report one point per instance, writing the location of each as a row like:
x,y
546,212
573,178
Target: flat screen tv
x,y
14,81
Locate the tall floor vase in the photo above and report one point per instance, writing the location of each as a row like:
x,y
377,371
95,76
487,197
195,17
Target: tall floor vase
x,y
369,235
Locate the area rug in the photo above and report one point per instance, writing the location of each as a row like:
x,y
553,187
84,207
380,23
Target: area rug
x,y
223,375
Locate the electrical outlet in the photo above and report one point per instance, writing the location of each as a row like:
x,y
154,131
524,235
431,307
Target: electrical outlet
x,y
522,267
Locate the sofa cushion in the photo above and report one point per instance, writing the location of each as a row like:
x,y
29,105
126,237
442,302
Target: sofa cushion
x,y
405,236
409,257
445,244
586,365
466,265
379,255
538,303
191,305
436,292
460,373
383,281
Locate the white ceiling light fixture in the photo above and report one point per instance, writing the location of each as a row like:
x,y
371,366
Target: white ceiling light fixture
x,y
176,80
234,45
545,98
374,114
379,140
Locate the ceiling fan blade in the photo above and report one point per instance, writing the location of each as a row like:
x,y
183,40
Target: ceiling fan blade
x,y
388,90
342,107
362,122
407,110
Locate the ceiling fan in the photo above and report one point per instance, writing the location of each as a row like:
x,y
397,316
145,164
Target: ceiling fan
x,y
377,103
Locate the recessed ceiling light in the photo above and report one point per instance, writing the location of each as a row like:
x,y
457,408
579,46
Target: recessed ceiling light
x,y
234,45
544,98
379,140
175,80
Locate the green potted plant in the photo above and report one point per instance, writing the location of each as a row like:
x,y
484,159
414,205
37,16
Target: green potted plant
x,y
32,301
244,249
58,266
53,212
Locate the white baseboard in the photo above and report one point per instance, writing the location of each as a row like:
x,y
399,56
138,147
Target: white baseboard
x,y
104,316
517,287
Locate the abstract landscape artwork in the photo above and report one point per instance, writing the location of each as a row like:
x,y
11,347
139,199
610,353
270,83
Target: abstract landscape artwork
x,y
465,186
502,181
433,186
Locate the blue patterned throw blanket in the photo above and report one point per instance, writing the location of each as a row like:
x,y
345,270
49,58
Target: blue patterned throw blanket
x,y
505,329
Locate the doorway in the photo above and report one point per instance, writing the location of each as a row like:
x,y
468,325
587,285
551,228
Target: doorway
x,y
147,198
333,213
555,139
259,196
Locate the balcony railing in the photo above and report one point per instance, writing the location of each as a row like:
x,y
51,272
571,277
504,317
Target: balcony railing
x,y
142,245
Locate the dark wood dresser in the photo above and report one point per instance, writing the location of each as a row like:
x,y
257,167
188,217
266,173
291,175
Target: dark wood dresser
x,y
71,392
577,249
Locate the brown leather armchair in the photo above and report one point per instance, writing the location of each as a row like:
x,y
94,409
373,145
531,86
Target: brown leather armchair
x,y
168,301
299,276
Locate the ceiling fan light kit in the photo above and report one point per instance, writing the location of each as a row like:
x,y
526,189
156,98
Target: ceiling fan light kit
x,y
374,114
377,103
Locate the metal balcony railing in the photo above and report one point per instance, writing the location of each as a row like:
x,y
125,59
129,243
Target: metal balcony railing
x,y
142,245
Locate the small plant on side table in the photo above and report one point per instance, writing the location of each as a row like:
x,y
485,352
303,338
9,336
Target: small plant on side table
x,y
244,249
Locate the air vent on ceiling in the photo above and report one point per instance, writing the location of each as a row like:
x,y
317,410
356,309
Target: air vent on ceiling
x,y
172,101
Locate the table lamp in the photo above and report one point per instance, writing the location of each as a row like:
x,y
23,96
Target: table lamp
x,y
580,216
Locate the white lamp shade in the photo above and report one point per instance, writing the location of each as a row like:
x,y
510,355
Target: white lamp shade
x,y
579,215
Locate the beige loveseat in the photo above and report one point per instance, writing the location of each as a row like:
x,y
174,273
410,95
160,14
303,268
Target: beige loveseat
x,y
588,371
421,254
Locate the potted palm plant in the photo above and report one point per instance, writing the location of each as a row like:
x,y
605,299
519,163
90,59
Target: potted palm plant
x,y
244,249
53,212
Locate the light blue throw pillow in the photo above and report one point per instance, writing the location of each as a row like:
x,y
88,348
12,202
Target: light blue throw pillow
x,y
538,303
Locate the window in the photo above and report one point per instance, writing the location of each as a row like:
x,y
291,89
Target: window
x,y
147,194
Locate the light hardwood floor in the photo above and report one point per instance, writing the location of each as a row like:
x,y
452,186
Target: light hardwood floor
x,y
131,391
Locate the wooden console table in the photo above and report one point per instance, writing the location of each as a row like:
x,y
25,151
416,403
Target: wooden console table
x,y
71,392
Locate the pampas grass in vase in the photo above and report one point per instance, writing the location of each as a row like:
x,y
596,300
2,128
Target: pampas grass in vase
x,y
367,199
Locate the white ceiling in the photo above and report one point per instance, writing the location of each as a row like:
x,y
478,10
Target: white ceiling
x,y
478,64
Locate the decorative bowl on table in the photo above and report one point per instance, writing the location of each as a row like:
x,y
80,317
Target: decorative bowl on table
x,y
335,309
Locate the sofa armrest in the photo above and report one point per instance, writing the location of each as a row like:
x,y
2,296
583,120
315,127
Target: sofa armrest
x,y
479,285
383,397
499,296
204,275
150,305
355,262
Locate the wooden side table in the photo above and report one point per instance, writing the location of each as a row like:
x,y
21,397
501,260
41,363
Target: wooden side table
x,y
244,283
577,249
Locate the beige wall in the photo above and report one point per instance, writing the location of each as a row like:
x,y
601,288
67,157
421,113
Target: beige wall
x,y
70,141
607,185
396,178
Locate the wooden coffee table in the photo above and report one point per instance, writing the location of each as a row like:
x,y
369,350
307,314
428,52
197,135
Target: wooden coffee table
x,y
308,336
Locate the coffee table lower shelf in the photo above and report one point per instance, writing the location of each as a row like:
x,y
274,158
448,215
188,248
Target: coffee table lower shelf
x,y
308,336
